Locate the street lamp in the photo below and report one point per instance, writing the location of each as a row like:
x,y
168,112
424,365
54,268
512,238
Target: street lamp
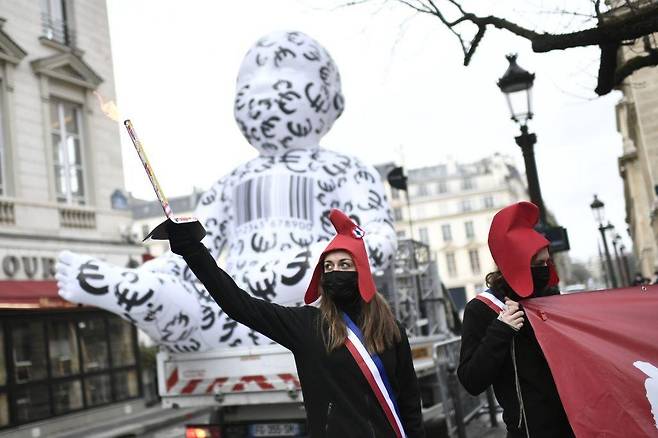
x,y
598,208
516,84
624,259
616,240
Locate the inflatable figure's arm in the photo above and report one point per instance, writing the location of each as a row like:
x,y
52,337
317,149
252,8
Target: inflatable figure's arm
x,y
161,297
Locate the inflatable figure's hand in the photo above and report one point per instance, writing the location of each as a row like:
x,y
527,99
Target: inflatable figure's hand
x,y
82,279
159,304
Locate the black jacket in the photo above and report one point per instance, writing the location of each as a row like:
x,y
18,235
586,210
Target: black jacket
x,y
486,359
338,400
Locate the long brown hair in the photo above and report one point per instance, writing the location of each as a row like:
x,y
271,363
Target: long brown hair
x,y
376,322
495,281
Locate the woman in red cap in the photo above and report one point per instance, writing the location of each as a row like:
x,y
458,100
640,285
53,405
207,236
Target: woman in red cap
x,y
497,347
353,359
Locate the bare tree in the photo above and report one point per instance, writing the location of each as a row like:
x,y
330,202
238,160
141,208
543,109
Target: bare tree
x,y
610,25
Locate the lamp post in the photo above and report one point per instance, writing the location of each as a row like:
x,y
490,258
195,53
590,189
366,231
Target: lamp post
x,y
627,270
516,84
597,207
616,239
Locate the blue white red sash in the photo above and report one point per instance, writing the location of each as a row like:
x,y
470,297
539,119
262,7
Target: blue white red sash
x,y
373,370
490,300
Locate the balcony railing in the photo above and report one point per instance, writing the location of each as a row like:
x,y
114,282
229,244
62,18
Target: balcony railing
x,y
57,30
76,218
7,213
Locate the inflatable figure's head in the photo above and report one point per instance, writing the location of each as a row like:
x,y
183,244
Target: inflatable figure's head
x,y
288,93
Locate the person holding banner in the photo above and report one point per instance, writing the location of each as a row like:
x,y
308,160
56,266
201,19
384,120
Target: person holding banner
x,y
498,348
353,358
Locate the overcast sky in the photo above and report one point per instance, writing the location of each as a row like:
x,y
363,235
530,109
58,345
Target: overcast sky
x,y
408,97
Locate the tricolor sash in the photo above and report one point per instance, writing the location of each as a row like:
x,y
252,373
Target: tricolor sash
x,y
373,370
490,300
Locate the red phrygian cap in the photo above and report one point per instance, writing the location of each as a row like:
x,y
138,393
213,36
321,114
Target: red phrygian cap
x,y
513,242
350,239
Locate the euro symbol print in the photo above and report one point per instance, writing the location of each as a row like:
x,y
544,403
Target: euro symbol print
x,y
89,271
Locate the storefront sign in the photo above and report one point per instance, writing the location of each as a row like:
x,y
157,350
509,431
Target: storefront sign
x,y
31,267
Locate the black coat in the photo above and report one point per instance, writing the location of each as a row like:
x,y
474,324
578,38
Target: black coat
x,y
486,359
338,400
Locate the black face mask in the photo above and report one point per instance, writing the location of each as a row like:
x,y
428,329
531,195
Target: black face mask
x,y
540,277
341,287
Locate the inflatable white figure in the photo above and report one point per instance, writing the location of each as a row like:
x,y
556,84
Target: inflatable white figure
x,y
651,385
270,214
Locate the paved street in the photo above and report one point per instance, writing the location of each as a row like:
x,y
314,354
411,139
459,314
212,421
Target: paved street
x,y
480,427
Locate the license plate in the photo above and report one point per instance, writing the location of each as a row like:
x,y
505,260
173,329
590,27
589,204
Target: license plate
x,y
274,429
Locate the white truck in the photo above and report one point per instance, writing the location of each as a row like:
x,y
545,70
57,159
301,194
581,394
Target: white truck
x,y
256,389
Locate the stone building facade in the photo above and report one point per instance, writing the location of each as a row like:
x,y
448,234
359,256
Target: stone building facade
x,y
61,185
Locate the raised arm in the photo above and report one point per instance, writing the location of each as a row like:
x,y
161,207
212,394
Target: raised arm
x,y
284,325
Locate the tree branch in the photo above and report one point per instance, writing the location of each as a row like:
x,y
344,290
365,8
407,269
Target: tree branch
x,y
614,27
630,66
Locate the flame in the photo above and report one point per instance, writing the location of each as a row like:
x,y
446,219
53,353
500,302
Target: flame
x,y
109,108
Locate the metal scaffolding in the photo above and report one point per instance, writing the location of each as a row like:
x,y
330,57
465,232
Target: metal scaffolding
x,y
412,288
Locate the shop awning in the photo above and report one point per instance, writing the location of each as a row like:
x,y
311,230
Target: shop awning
x,y
31,294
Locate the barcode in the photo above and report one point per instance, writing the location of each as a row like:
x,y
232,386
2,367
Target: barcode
x,y
270,196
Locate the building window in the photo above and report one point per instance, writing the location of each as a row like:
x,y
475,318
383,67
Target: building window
x,y
4,409
3,366
468,183
3,164
488,202
470,231
442,187
56,22
32,403
397,214
65,365
126,385
145,230
474,257
402,234
65,121
98,390
29,351
63,349
94,351
465,205
421,190
67,396
4,402
451,264
424,235
446,232
121,343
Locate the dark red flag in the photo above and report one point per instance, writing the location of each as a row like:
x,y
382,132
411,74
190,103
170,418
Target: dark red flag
x,y
602,348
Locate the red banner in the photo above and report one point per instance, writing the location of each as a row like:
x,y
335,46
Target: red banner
x,y
602,348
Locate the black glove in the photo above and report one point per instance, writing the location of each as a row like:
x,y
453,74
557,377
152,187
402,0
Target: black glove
x,y
184,238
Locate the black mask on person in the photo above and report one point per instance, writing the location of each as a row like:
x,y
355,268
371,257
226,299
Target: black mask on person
x,y
540,277
341,287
